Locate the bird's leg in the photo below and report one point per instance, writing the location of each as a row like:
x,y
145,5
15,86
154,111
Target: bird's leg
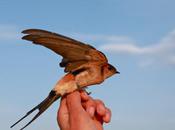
x,y
88,93
84,89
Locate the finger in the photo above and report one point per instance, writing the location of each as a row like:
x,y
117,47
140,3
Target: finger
x,y
62,114
107,117
91,111
77,114
84,96
73,102
63,108
100,108
98,118
89,106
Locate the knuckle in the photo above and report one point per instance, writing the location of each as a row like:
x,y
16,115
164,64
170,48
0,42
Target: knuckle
x,y
98,101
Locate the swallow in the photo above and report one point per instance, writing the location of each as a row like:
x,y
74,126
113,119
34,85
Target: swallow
x,y
83,64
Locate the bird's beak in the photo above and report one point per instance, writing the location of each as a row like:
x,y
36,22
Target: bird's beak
x,y
117,72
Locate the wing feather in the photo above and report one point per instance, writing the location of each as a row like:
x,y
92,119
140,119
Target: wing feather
x,y
44,33
74,53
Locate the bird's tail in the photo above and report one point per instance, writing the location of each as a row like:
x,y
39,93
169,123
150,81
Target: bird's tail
x,y
41,107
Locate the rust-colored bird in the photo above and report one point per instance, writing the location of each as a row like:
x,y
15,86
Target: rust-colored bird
x,y
83,64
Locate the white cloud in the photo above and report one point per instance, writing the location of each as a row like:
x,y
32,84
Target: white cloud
x,y
122,48
165,46
161,52
8,32
172,60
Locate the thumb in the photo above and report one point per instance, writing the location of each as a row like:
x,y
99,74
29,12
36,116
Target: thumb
x,y
63,115
74,102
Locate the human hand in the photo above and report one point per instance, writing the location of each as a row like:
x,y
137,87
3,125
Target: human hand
x,y
79,111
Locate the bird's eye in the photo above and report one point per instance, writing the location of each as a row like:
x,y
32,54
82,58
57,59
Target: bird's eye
x,y
110,67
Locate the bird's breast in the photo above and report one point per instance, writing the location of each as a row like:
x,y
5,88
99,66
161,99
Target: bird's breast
x,y
82,78
85,78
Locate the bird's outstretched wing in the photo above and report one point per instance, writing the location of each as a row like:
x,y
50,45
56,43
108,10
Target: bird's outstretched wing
x,y
74,53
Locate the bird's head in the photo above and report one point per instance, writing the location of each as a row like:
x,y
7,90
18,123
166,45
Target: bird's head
x,y
109,70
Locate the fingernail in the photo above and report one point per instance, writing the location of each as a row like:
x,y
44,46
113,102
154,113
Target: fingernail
x,y
91,111
107,118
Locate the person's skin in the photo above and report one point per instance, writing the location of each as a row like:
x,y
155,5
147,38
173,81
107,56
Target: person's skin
x,y
78,111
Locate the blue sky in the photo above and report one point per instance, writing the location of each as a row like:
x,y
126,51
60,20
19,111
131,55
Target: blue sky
x,y
137,36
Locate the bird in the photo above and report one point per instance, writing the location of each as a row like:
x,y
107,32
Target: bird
x,y
83,64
